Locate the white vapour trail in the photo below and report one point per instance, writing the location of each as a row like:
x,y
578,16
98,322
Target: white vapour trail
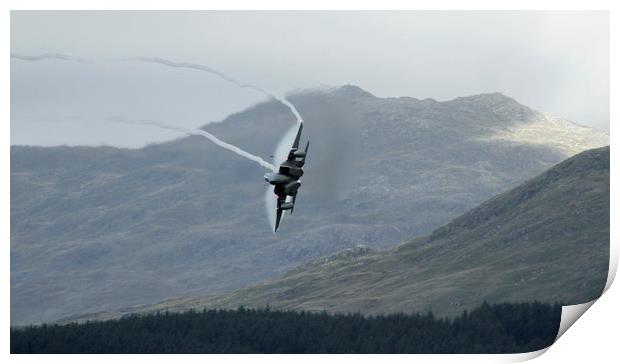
x,y
200,132
282,146
222,75
168,63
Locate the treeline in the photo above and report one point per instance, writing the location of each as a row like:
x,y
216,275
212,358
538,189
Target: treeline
x,y
497,328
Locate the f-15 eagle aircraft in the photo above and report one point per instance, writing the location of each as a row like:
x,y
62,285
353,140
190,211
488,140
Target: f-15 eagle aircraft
x,y
286,180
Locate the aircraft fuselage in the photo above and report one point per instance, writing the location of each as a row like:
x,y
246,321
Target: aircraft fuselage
x,y
286,180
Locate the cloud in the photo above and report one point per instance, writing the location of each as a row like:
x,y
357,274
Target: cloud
x,y
552,61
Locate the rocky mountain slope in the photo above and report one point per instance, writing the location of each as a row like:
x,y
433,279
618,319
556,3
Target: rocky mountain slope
x,y
545,240
102,228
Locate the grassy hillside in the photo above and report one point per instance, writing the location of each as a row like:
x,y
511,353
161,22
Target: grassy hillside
x,y
546,240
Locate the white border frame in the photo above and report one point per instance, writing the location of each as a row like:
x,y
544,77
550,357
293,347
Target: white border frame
x,y
591,338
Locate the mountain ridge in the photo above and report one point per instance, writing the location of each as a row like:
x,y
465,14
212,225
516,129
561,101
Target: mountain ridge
x,y
556,250
103,228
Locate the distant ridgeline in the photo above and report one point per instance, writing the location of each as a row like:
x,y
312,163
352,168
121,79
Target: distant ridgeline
x,y
497,328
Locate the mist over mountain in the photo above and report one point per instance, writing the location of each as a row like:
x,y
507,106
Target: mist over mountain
x,y
98,228
545,240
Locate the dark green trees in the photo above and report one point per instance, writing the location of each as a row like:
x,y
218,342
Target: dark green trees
x,y
499,328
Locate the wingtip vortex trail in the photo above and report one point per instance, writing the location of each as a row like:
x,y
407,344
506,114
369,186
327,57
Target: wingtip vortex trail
x,y
199,132
168,63
199,67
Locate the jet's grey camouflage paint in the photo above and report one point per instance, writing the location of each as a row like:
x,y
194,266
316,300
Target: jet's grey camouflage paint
x,y
286,180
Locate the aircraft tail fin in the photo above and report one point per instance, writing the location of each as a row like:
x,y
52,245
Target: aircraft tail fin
x,y
296,142
306,150
294,198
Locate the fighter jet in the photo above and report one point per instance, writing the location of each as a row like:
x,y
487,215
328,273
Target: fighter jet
x,y
286,180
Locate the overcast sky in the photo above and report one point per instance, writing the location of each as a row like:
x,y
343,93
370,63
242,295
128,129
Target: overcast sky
x,y
556,62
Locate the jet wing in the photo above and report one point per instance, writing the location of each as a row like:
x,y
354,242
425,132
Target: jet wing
x,y
278,218
281,199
